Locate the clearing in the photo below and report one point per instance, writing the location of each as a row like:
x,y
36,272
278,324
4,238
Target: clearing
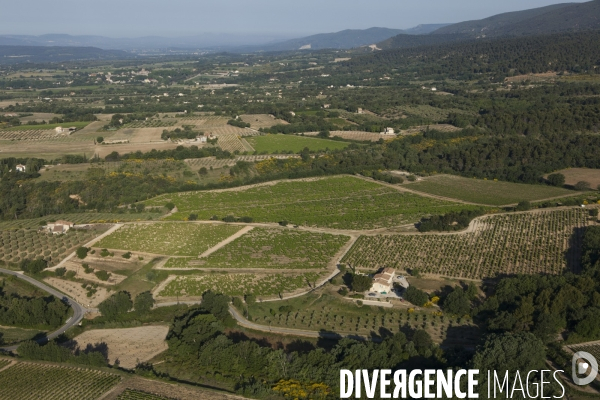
x,y
574,175
493,193
77,292
128,345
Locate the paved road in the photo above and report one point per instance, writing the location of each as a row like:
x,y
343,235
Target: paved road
x,y
78,310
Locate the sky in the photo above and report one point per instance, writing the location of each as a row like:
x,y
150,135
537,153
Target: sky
x,y
277,18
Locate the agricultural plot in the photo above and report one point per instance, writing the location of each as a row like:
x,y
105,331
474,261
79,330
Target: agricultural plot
x,y
329,312
355,135
593,349
230,142
208,162
257,121
341,202
11,335
276,249
152,123
485,192
282,143
27,381
4,362
527,243
574,175
18,245
130,394
239,284
129,345
29,134
168,238
74,264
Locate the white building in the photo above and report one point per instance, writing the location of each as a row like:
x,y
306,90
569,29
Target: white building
x,y
383,282
58,227
388,131
21,168
59,129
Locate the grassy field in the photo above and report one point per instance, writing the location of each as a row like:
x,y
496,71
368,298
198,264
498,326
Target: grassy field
x,y
240,284
17,245
168,238
11,335
342,202
26,381
493,193
529,243
275,144
574,175
328,311
65,125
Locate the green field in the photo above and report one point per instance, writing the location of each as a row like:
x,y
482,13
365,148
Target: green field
x,y
65,125
489,192
275,144
342,202
11,335
240,284
528,243
272,249
25,381
168,238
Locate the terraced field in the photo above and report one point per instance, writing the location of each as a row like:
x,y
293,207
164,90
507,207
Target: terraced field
x,y
485,192
29,381
528,243
342,202
213,162
168,238
240,284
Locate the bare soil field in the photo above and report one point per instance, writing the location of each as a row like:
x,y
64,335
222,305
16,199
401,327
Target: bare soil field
x,y
128,345
133,147
78,293
531,77
574,175
139,135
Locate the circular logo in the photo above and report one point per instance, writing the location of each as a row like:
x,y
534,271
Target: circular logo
x,y
580,368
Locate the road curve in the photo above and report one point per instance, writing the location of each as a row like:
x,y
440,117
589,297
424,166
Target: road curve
x,y
78,310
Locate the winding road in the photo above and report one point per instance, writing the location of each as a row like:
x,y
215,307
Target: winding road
x,y
78,310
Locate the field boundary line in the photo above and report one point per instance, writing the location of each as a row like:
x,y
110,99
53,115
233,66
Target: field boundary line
x,y
225,242
12,362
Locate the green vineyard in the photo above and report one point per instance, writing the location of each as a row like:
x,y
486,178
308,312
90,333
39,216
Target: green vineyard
x,y
240,284
131,394
25,381
170,238
505,244
341,202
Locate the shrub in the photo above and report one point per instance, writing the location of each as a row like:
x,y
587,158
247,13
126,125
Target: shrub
x,y
102,275
193,217
70,274
82,252
582,185
60,271
104,253
127,255
556,179
416,296
170,206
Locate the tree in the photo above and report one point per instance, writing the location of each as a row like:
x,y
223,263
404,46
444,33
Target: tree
x,y
523,206
60,271
556,179
193,217
216,304
143,302
170,206
457,302
82,252
361,283
416,296
323,134
582,185
250,299
117,304
102,275
203,171
33,267
99,139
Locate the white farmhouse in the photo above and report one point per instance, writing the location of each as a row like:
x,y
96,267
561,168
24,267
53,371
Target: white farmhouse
x,y
383,282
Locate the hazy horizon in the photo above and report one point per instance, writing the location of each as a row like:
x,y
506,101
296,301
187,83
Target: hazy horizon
x,y
259,18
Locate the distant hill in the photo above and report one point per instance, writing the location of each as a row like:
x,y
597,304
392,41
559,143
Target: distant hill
x,y
566,17
424,29
557,18
346,39
39,54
